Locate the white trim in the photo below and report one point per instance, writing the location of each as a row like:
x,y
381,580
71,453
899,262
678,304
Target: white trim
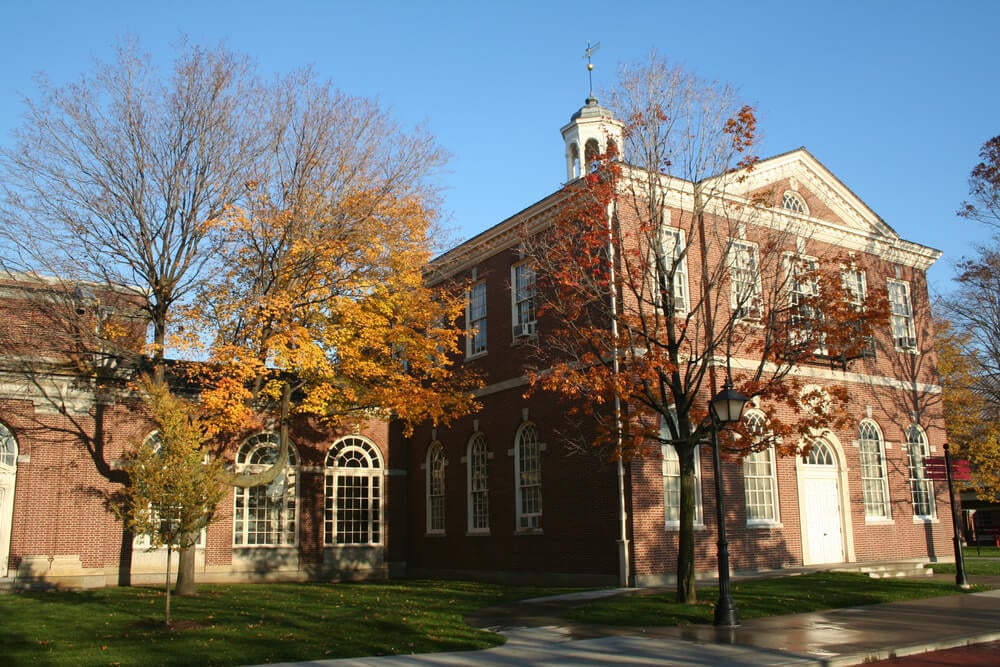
x,y
289,476
374,473
804,471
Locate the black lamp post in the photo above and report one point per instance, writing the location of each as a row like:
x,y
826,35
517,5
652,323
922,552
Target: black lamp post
x,y
726,408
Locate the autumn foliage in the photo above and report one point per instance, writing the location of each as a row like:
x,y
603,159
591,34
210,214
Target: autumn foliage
x,y
642,312
616,332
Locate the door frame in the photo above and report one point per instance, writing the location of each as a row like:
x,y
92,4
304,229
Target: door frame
x,y
839,472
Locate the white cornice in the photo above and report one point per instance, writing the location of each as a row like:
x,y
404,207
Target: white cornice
x,y
860,229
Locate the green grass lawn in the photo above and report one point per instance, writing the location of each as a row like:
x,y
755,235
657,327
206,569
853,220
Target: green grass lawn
x,y
254,624
984,561
760,597
247,624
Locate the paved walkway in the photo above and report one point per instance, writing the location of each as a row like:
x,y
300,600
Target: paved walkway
x,y
536,636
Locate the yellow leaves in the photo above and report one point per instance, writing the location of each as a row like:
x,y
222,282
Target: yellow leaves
x,y
171,476
325,289
973,426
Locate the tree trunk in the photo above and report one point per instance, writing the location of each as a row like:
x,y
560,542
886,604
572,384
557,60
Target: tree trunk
x,y
185,572
166,607
686,592
125,552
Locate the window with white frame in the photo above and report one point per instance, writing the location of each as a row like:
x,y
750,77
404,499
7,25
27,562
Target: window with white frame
x,y
479,485
8,449
921,488
528,477
874,481
855,285
475,318
265,515
671,270
759,476
435,488
803,290
901,315
744,279
522,294
792,201
353,493
820,454
671,470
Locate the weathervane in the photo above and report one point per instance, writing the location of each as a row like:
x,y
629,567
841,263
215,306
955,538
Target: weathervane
x,y
590,66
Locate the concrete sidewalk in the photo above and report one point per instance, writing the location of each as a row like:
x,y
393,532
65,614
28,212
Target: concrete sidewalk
x,y
535,636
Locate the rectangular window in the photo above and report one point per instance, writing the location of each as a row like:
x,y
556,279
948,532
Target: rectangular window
x,y
671,270
804,312
475,318
672,487
901,315
435,489
760,483
528,455
856,286
856,289
478,475
522,281
744,279
265,515
353,508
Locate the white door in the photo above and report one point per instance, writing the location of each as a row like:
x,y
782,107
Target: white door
x,y
823,522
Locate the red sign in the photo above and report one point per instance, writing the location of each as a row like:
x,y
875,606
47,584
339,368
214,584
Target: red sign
x,y
960,470
935,469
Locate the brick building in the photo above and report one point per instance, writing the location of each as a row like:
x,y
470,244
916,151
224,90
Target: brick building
x,y
495,494
498,493
66,416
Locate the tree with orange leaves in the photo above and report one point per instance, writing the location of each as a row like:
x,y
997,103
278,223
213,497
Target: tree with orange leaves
x,y
319,307
636,353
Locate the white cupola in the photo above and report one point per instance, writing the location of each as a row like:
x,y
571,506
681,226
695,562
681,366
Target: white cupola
x,y
588,133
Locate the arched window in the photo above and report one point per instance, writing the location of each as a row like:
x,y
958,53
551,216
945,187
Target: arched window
x,y
8,450
590,152
671,469
759,476
528,478
874,482
479,491
921,488
574,156
266,515
435,488
792,201
819,454
353,493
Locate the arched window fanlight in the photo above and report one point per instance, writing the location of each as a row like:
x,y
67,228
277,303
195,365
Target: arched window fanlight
x,y
792,201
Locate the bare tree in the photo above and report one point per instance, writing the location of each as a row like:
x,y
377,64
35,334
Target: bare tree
x,y
984,186
119,178
284,223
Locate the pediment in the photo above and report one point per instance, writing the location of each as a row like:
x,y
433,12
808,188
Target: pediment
x,y
826,197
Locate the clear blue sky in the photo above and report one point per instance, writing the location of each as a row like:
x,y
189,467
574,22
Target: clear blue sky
x,y
893,96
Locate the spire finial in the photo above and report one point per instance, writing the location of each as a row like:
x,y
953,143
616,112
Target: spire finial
x,y
591,50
